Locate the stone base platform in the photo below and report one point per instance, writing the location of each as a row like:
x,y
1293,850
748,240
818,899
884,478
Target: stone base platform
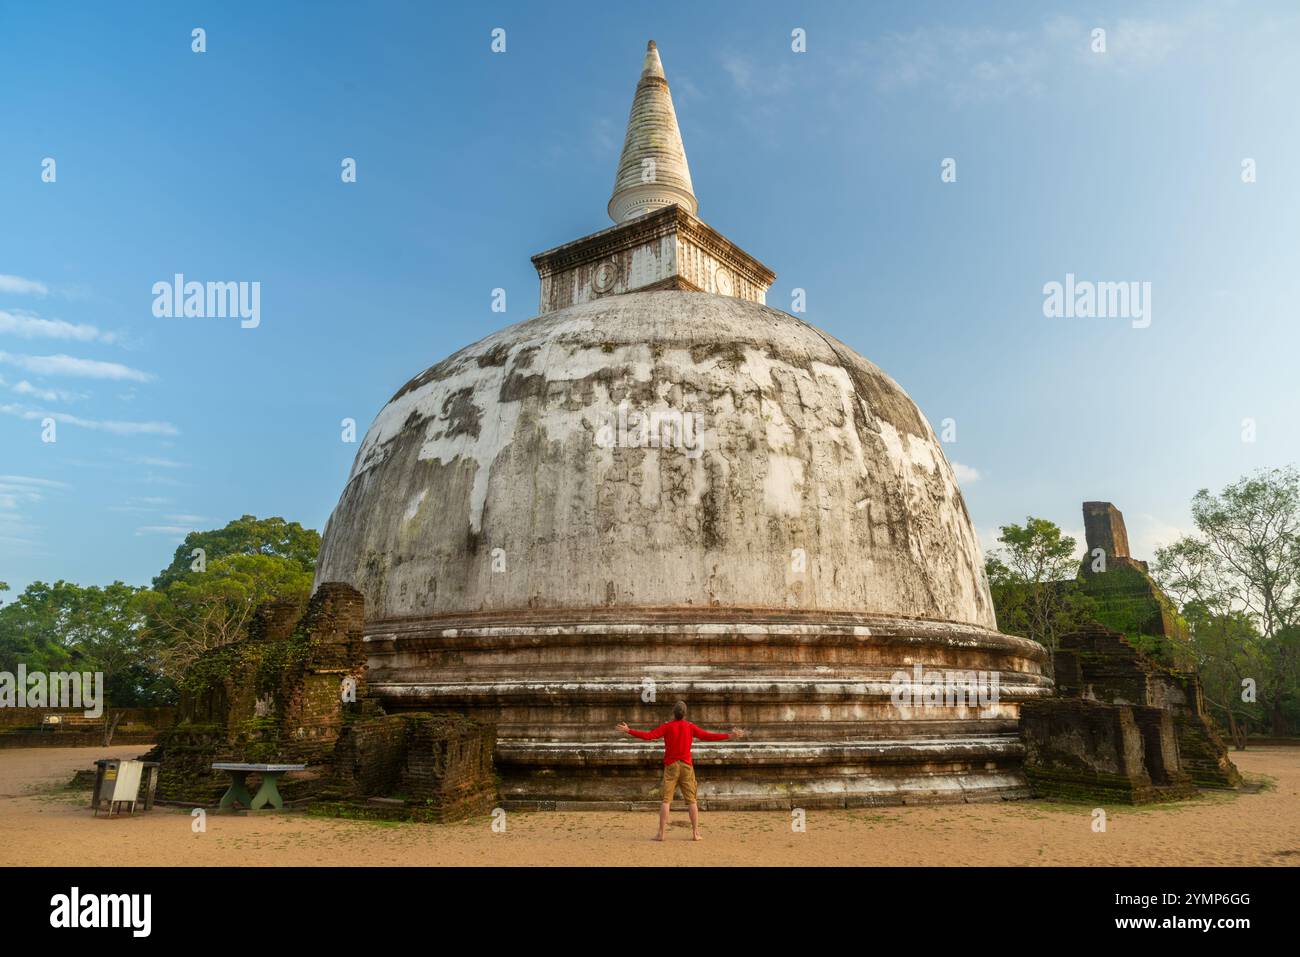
x,y
818,693
760,776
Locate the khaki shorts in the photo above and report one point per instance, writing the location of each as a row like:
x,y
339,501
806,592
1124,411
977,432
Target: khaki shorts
x,y
679,774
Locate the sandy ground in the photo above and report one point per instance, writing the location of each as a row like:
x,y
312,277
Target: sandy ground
x,y
42,823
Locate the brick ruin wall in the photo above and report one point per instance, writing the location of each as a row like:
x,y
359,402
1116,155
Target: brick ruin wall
x,y
1099,666
1079,749
278,696
28,727
429,767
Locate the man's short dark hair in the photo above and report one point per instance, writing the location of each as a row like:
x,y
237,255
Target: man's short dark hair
x,y
679,710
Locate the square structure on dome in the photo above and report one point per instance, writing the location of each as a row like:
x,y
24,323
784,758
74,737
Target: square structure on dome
x,y
666,249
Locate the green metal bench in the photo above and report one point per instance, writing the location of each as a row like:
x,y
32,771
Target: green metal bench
x,y
268,793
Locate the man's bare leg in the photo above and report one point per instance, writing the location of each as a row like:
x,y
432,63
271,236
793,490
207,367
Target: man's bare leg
x,y
663,820
695,822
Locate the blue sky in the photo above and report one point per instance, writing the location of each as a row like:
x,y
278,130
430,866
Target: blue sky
x,y
1116,166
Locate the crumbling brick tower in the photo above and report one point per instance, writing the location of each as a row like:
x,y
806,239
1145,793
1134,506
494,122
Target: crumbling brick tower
x,y
1129,720
1124,595
1103,527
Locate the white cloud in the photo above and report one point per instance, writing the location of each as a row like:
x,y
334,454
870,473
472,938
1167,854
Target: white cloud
x,y
984,64
28,325
73,366
1149,532
114,426
22,286
965,473
17,492
28,480
47,395
752,77
144,503
178,530
11,495
156,462
740,69
152,479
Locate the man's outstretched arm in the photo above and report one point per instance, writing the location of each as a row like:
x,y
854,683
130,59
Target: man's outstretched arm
x,y
716,735
643,735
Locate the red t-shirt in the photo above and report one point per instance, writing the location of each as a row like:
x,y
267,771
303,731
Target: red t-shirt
x,y
677,737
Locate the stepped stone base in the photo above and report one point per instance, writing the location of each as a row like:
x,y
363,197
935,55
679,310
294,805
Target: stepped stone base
x,y
805,774
816,691
1099,663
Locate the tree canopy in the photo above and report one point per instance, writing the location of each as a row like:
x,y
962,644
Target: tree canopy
x,y
64,626
1238,582
1029,577
247,535
143,638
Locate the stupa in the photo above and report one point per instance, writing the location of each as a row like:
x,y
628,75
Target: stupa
x,y
661,488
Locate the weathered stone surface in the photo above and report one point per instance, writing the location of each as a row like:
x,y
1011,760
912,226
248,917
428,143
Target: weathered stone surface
x,y
275,697
804,445
618,564
1099,664
1130,721
1080,749
668,249
815,690
1124,596
652,170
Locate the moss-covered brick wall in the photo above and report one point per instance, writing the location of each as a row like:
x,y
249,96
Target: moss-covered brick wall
x,y
1127,599
275,697
369,757
186,753
278,697
429,767
1077,749
1099,663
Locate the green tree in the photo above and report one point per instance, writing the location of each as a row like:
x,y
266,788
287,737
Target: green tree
x,y
64,626
1238,579
197,606
247,535
31,629
1031,577
143,639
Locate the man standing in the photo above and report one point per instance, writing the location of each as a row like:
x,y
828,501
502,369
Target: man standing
x,y
678,770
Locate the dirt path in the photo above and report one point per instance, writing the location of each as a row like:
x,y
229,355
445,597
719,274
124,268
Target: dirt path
x,y
40,826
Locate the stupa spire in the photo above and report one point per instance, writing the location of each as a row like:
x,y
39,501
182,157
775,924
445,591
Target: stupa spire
x,y
652,172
